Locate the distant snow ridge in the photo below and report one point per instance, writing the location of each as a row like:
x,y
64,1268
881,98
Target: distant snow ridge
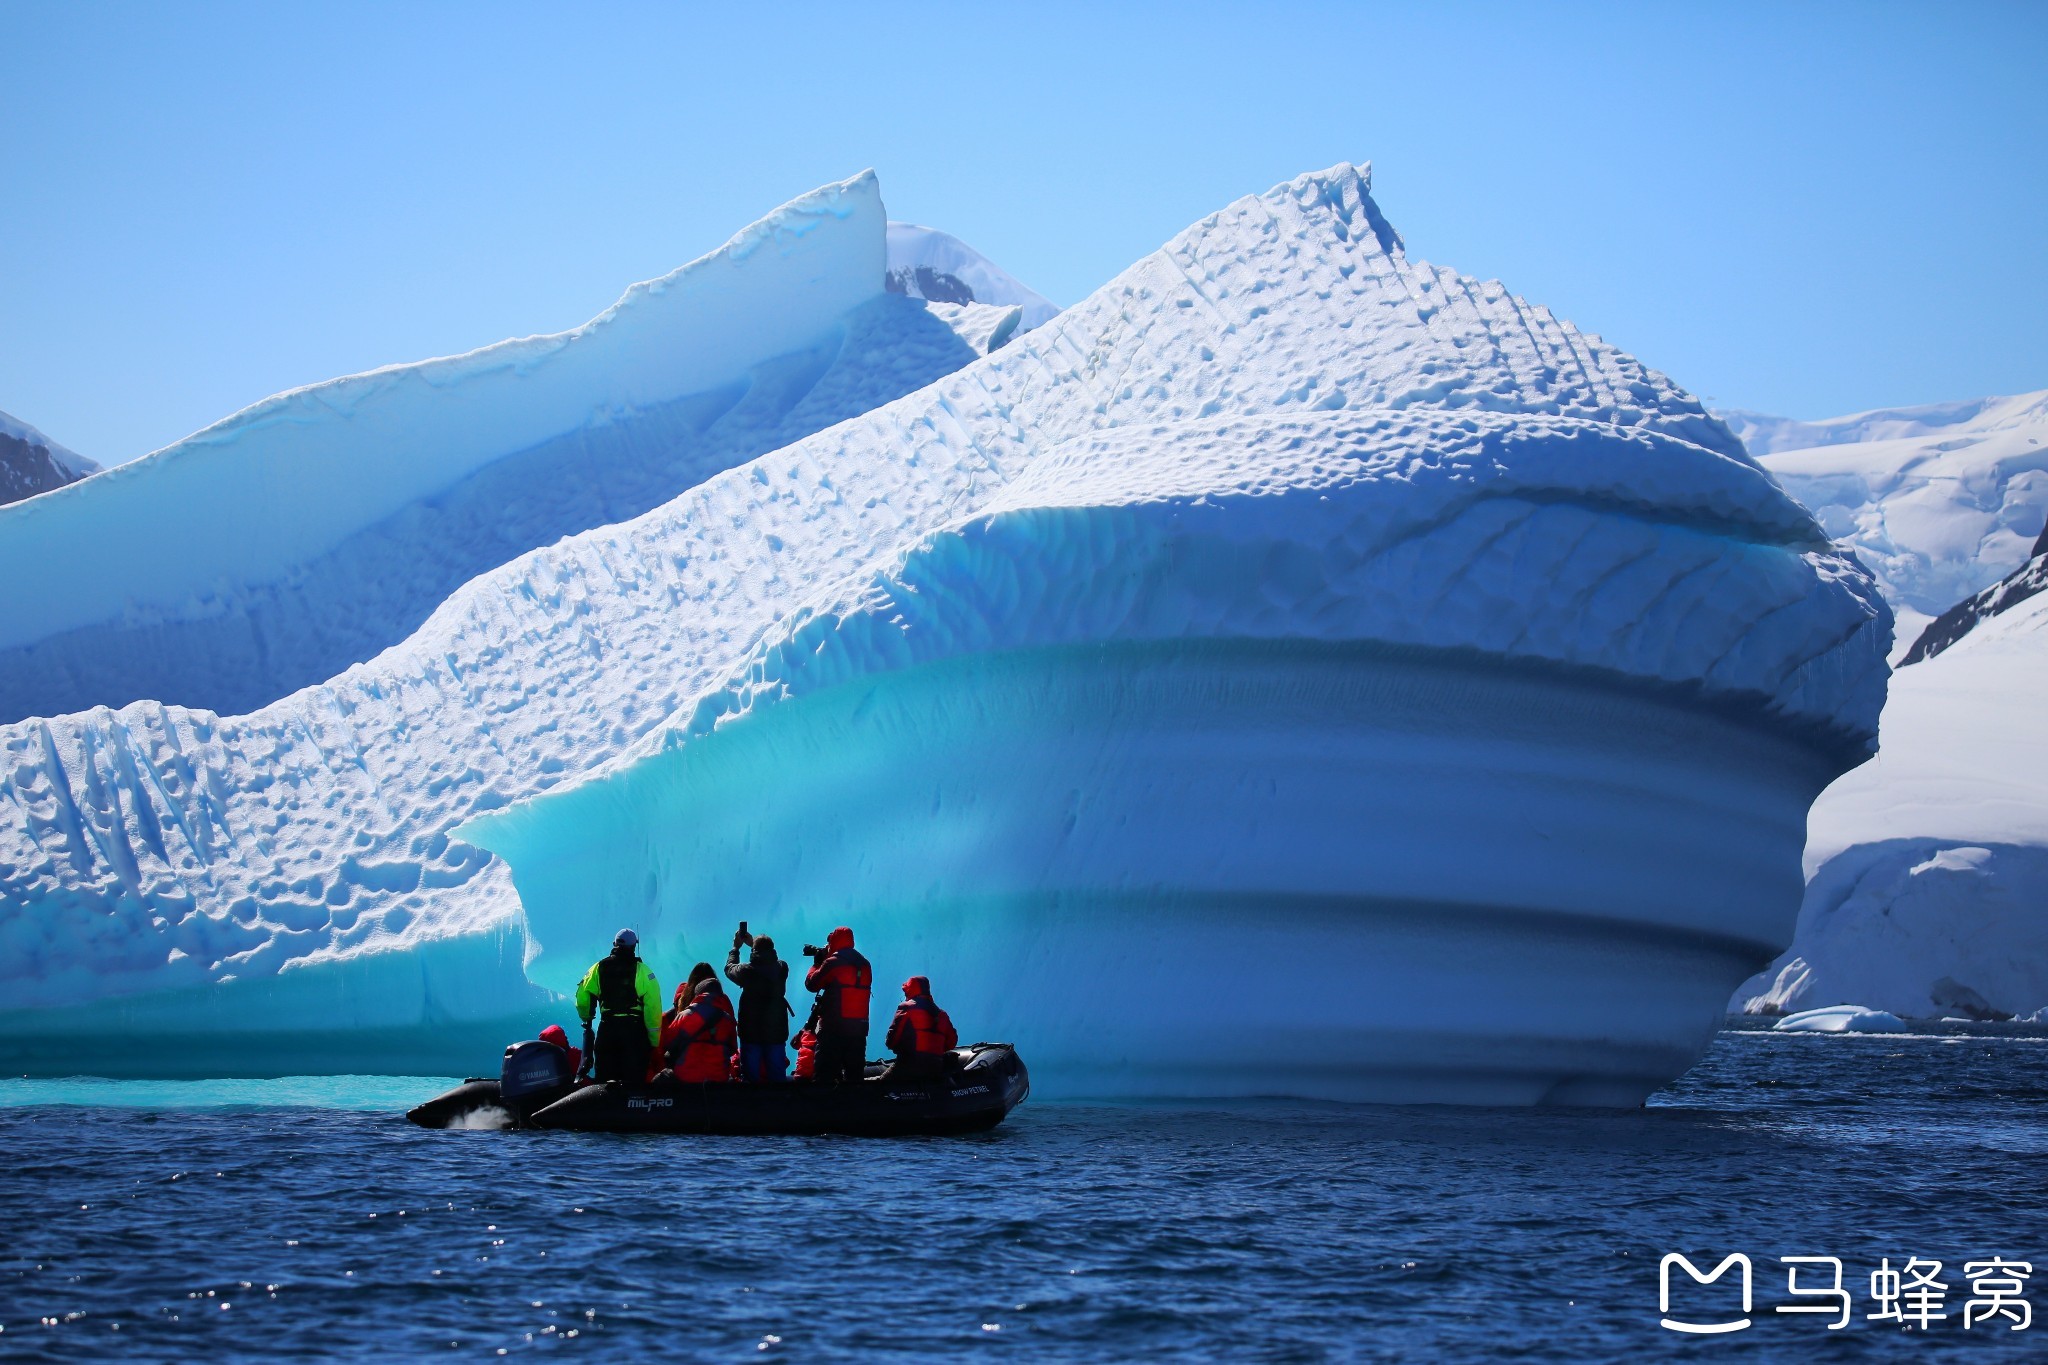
x,y
925,263
32,463
1940,501
1959,620
1284,601
318,527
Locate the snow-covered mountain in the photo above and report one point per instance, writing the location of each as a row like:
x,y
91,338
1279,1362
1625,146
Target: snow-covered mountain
x,y
1287,599
1965,616
32,463
1939,501
1929,865
925,263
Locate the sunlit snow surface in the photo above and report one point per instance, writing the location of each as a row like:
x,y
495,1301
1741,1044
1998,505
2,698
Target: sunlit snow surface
x,y
1292,669
316,528
929,264
1939,501
1929,865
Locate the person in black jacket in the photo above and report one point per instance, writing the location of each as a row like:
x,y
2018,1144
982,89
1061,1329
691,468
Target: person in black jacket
x,y
764,1014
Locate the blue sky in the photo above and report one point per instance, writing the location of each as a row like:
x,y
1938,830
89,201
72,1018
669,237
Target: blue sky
x,y
1800,208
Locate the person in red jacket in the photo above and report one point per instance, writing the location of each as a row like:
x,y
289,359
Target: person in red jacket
x,y
697,1041
920,1035
843,981
554,1033
807,1048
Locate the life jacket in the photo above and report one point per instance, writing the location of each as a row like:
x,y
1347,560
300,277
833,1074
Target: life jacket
x,y
806,1054
553,1034
922,1027
618,987
845,981
698,1043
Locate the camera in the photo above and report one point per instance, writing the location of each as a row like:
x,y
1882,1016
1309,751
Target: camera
x,y
813,950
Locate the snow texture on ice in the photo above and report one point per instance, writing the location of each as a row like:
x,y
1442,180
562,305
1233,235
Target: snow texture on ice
x,y
1286,595
1841,1019
316,528
1249,655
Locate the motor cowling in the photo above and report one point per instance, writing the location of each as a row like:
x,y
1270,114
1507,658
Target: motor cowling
x,y
532,1068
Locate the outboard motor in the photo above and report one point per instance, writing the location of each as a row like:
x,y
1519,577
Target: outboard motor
x,y
533,1071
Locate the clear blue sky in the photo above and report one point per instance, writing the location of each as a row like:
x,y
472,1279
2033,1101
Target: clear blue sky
x,y
1801,208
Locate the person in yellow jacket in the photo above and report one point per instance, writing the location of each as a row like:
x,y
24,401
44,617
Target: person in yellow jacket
x,y
629,1026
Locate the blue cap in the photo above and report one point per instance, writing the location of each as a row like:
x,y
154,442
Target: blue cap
x,y
626,938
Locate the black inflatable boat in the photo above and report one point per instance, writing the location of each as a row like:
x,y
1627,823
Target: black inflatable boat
x,y
983,1083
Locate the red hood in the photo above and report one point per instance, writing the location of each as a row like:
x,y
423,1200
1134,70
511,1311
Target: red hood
x,y
842,937
915,987
553,1034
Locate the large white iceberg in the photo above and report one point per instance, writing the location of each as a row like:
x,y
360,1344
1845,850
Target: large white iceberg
x,y
277,888
1376,689
318,527
1295,668
1841,1019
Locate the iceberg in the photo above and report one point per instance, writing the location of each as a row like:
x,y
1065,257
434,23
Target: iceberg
x,y
1841,1019
1368,625
275,889
1287,602
316,528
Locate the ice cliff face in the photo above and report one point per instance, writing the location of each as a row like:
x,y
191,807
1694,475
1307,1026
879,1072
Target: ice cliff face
x,y
32,463
179,862
1285,604
1315,611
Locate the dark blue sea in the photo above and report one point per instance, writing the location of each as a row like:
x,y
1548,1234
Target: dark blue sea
x,y
253,1221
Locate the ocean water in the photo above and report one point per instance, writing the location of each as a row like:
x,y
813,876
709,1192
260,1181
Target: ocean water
x,y
259,1221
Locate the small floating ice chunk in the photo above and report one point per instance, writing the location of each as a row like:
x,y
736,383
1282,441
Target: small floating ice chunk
x,y
1841,1019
